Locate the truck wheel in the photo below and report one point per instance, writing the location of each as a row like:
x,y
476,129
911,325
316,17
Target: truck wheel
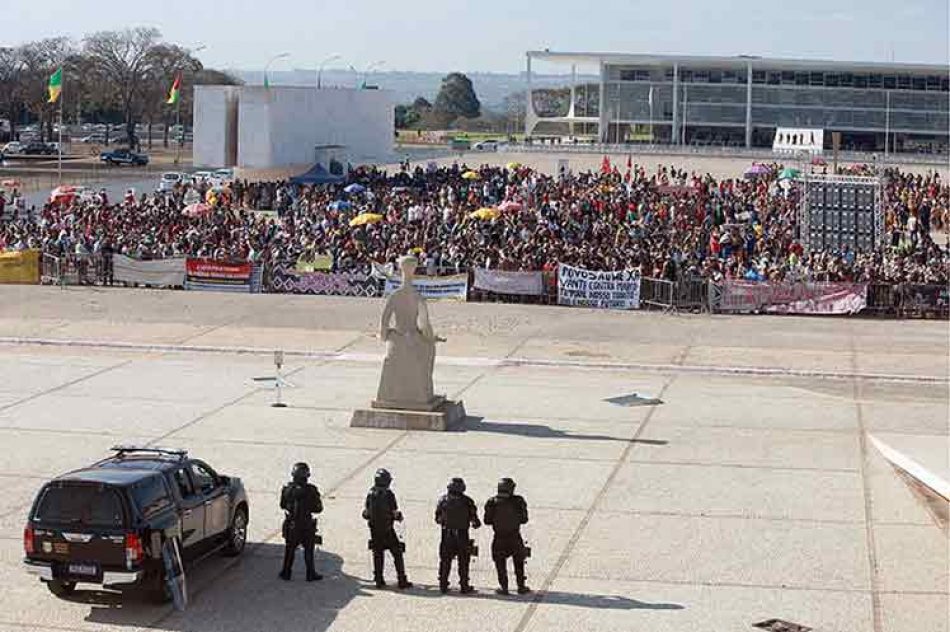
x,y
237,533
61,588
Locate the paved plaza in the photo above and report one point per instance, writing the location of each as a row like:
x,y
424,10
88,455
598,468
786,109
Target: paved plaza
x,y
749,491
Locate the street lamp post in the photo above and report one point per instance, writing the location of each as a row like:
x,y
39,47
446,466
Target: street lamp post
x,y
323,63
370,68
271,61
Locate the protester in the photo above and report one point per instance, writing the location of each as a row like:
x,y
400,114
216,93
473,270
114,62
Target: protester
x,y
668,224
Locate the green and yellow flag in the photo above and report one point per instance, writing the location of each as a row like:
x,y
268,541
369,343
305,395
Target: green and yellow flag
x,y
55,85
175,92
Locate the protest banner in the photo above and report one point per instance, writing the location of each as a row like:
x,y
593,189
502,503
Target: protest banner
x,y
20,267
793,297
503,282
319,263
453,287
222,276
617,289
154,272
323,283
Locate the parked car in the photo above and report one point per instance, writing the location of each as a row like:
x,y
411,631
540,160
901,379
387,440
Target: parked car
x,y
37,148
117,522
94,138
169,181
486,145
12,148
123,157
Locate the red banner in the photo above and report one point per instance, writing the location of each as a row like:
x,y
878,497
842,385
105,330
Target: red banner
x,y
793,298
218,270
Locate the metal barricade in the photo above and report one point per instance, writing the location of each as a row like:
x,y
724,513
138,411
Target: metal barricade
x,y
924,300
691,295
883,299
50,269
657,293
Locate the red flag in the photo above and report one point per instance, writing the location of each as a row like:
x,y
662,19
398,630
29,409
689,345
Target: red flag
x,y
605,165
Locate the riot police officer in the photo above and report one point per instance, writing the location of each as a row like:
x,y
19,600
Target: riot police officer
x,y
455,513
506,512
300,500
380,512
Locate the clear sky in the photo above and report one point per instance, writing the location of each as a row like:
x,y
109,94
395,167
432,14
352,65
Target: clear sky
x,y
492,35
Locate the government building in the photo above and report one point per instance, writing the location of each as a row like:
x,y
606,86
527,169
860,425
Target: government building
x,y
741,101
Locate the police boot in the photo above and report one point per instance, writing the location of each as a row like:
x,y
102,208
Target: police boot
x,y
400,563
445,564
520,577
378,569
312,574
288,563
501,569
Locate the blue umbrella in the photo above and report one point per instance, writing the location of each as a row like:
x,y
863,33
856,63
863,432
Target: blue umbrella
x,y
340,205
355,188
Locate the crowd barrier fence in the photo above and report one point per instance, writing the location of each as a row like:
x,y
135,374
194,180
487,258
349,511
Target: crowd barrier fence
x,y
901,300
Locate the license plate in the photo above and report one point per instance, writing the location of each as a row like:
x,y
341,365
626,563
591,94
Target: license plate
x,y
89,570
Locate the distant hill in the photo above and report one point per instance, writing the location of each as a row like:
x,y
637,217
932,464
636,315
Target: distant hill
x,y
491,88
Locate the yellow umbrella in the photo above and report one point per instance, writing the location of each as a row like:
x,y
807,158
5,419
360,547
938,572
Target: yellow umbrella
x,y
366,218
470,175
484,213
513,165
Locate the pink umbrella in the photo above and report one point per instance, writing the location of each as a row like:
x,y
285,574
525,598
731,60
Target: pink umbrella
x,y
509,205
756,170
198,209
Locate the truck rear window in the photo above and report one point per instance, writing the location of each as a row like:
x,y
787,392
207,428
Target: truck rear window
x,y
151,495
90,505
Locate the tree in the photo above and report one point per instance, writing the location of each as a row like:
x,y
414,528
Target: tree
x,y
457,98
38,61
125,60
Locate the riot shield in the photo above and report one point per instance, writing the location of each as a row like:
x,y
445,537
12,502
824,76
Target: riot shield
x,y
174,573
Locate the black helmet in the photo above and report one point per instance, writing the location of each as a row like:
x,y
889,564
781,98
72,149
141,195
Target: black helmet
x,y
456,486
506,487
383,478
300,472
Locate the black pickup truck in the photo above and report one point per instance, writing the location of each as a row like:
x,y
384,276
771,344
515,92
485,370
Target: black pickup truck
x,y
111,522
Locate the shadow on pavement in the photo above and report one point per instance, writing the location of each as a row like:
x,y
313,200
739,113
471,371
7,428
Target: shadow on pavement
x,y
541,431
243,594
580,600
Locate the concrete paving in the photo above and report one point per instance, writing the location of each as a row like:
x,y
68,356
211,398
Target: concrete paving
x,y
749,491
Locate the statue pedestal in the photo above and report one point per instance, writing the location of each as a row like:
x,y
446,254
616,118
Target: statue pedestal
x,y
444,415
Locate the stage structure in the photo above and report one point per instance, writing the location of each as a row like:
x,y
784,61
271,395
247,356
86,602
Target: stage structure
x,y
841,212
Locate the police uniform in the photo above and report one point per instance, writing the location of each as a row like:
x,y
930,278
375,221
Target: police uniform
x,y
300,500
506,512
455,513
380,512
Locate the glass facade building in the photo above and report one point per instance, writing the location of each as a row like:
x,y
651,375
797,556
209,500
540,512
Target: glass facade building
x,y
740,101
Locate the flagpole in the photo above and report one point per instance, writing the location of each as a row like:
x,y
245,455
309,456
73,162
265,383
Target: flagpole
x,y
181,132
59,151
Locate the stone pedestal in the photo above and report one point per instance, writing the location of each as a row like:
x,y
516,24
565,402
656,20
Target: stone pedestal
x,y
445,415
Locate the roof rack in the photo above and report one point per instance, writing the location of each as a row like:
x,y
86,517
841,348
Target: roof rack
x,y
122,450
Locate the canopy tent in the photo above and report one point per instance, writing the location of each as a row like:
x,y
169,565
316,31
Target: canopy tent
x,y
317,175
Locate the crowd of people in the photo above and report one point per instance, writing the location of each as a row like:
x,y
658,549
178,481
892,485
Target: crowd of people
x,y
666,222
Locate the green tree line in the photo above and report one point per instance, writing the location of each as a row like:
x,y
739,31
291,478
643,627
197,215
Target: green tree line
x,y
108,77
